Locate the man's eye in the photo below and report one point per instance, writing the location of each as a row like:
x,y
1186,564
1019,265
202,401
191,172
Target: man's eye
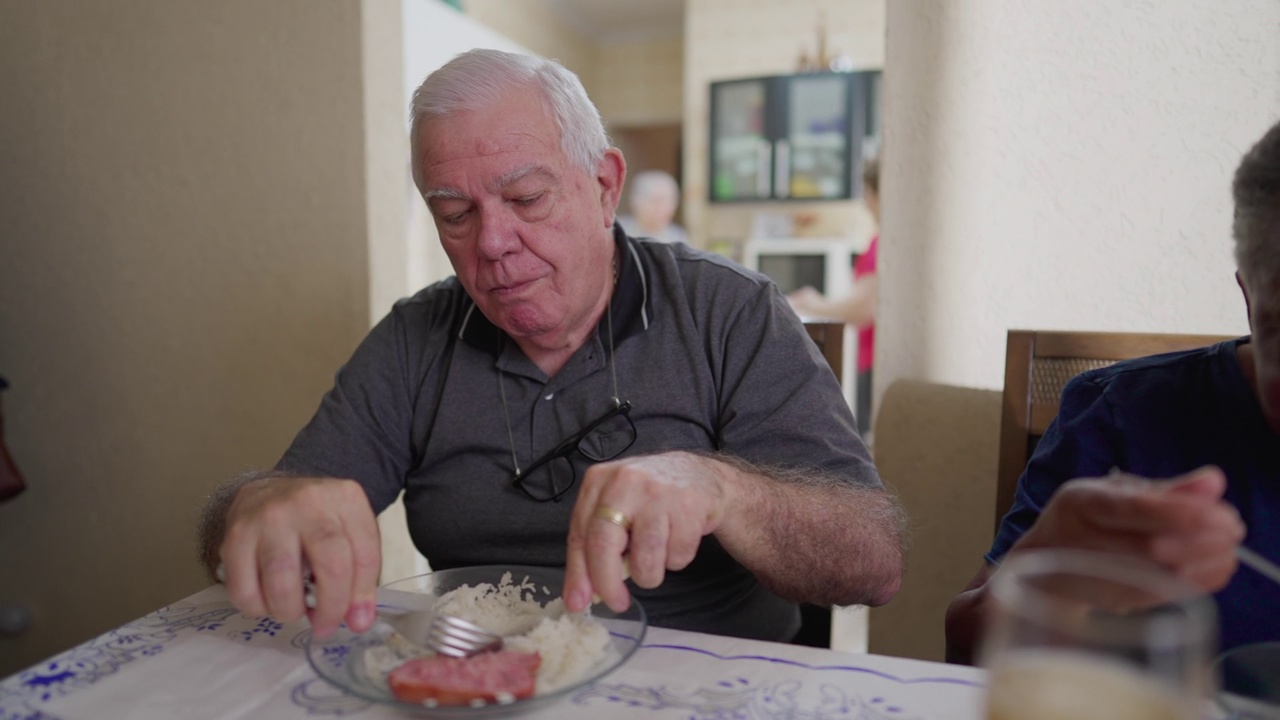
x,y
529,200
455,218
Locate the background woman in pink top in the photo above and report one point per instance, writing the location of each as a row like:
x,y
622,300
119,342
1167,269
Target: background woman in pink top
x,y
859,308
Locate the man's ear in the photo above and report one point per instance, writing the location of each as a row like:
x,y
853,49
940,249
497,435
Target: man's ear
x,y
1244,289
611,173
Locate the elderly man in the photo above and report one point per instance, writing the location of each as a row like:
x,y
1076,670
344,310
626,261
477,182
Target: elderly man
x,y
1209,419
572,397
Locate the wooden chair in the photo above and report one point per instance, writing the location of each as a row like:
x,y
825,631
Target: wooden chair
x,y
1038,364
815,621
937,448
829,337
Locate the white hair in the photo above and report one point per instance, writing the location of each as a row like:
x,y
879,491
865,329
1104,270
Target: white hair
x,y
1256,192
648,182
479,79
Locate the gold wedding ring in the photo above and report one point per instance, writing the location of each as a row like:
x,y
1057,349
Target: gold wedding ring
x,y
617,517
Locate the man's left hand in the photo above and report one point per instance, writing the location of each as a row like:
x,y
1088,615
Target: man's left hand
x,y
644,514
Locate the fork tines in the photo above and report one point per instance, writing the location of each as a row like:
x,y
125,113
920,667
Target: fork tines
x,y
453,636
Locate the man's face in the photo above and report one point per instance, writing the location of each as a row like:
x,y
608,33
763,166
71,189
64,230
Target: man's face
x,y
1262,294
528,231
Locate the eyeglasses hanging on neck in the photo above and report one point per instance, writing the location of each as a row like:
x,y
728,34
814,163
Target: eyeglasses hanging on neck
x,y
551,476
605,438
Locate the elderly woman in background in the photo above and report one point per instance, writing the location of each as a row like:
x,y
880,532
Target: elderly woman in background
x,y
654,198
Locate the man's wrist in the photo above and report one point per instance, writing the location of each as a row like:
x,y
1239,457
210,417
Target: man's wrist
x,y
213,520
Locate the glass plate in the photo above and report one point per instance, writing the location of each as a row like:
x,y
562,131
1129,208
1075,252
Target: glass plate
x,y
340,658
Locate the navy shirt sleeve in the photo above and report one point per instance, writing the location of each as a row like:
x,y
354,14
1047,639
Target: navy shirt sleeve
x,y
1080,442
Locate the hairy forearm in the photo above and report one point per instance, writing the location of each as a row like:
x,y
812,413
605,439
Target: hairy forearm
x,y
213,518
815,539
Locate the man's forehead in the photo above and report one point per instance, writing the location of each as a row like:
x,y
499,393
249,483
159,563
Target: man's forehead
x,y
533,171
517,122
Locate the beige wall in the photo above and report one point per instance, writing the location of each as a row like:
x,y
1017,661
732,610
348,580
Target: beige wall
x,y
726,39
640,82
183,268
388,190
657,81
1062,166
536,26
634,82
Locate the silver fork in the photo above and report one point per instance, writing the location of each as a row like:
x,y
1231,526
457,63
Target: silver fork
x,y
444,634
1264,566
451,635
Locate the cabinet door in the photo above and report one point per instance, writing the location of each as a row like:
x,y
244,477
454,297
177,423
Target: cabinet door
x,y
741,151
816,153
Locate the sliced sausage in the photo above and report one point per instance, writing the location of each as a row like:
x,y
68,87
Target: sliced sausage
x,y
491,677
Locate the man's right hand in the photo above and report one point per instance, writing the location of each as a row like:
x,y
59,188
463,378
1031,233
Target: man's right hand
x,y
1182,524
278,527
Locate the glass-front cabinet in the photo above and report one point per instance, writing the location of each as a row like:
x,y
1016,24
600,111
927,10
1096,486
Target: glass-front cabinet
x,y
800,137
741,148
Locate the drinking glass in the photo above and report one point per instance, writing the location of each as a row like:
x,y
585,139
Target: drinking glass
x,y
1250,678
1075,635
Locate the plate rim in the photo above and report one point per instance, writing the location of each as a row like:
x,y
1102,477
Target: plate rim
x,y
311,646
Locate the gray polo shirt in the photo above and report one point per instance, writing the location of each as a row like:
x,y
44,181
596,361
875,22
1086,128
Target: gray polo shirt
x,y
710,356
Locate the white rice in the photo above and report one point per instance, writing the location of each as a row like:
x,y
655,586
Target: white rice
x,y
506,609
571,645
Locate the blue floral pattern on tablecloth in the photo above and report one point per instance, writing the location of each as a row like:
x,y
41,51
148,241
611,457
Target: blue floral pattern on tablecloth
x,y
744,701
738,698
22,695
734,688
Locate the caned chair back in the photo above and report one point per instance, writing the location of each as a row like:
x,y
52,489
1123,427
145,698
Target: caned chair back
x,y
1038,364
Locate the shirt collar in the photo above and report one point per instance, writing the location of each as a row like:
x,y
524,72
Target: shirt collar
x,y
631,303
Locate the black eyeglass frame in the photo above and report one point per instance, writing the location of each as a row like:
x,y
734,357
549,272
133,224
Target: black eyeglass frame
x,y
569,445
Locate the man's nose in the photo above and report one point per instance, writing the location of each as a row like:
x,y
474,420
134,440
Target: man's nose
x,y
499,234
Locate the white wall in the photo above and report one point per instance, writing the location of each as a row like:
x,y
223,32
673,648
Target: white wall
x,y
404,249
1062,165
431,34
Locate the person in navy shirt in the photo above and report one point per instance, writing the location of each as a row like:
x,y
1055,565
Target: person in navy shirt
x,y
1174,458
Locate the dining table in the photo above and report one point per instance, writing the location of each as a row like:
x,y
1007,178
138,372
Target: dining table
x,y
201,658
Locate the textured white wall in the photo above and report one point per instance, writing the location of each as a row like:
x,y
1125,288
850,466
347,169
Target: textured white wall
x,y
1060,165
